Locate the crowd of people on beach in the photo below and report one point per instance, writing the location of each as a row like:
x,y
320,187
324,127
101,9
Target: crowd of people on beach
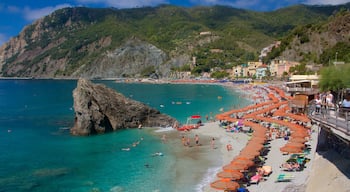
x,y
237,120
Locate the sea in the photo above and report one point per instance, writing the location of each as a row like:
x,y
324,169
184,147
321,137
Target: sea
x,y
38,154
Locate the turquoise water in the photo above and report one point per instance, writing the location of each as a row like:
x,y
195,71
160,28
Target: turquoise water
x,y
39,154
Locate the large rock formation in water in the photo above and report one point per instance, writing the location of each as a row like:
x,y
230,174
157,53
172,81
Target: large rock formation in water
x,y
99,109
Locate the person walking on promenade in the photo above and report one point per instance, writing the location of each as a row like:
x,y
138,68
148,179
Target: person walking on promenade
x,y
318,103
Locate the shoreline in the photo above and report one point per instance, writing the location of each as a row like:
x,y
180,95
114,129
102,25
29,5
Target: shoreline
x,y
303,181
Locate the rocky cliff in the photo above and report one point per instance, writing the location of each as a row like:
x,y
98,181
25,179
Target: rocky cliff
x,y
99,109
320,43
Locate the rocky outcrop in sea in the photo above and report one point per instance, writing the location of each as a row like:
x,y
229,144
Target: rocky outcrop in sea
x,y
99,109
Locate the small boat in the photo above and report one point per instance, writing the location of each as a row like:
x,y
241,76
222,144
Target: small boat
x,y
190,125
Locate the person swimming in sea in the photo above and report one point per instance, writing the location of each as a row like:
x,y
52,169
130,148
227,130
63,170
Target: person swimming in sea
x,y
157,154
126,149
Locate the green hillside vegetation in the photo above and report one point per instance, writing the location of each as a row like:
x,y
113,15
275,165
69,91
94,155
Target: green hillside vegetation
x,y
335,78
303,33
240,34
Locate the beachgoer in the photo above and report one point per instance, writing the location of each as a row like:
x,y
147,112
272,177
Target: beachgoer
x,y
329,99
207,117
318,103
126,149
229,147
140,126
164,138
212,143
346,102
188,142
157,154
176,125
196,138
183,140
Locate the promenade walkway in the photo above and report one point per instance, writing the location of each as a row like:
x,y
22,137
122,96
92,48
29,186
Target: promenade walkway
x,y
335,121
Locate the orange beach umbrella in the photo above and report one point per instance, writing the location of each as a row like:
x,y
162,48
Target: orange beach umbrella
x,y
247,162
294,144
224,184
233,175
291,149
242,157
235,167
298,140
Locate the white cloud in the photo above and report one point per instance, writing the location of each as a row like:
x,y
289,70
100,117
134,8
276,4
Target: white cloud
x,y
125,3
33,14
13,9
326,2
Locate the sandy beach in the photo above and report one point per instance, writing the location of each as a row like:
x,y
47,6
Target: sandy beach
x,y
200,164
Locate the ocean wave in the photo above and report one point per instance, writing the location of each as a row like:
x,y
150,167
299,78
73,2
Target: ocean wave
x,y
208,177
164,129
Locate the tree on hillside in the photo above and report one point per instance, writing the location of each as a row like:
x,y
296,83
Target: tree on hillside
x,y
335,78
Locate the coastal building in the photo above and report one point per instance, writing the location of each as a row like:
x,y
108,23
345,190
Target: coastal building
x,y
252,66
278,67
302,85
261,71
240,71
247,70
312,78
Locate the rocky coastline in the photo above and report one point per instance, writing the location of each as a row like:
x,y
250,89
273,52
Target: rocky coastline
x,y
99,109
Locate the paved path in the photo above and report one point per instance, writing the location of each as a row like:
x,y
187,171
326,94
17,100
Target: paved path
x,y
275,158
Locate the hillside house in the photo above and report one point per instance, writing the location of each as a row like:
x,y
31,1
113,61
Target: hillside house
x,y
278,67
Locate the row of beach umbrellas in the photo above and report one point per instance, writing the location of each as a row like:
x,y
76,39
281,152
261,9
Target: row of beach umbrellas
x,y
233,171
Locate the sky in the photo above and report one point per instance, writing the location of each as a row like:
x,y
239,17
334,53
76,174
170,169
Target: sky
x,y
16,14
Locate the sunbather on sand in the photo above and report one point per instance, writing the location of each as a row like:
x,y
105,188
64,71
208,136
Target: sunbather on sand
x,y
290,166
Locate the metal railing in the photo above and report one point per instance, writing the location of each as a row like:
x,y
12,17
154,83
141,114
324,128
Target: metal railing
x,y
299,89
336,117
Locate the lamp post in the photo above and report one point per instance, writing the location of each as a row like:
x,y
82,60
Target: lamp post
x,y
336,54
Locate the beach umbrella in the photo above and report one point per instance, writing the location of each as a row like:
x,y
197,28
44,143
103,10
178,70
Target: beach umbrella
x,y
250,154
298,140
259,133
235,167
245,161
299,134
224,184
291,149
250,150
233,175
239,157
254,147
221,117
293,144
259,139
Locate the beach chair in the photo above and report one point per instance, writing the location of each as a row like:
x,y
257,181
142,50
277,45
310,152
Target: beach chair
x,y
267,170
284,177
256,179
291,166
